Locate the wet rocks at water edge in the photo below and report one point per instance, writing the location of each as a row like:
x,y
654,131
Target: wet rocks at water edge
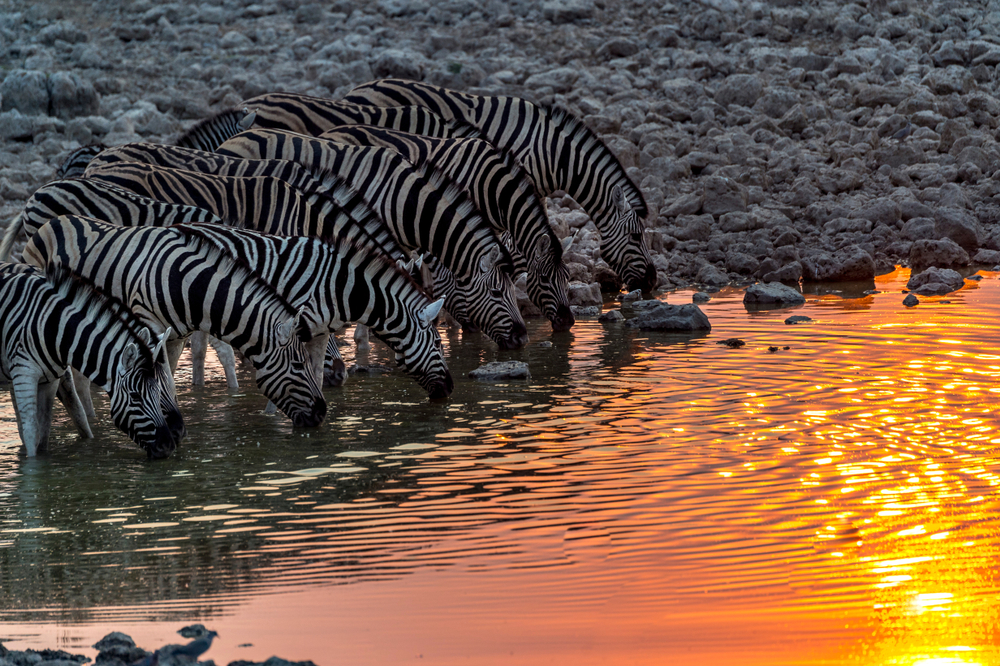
x,y
46,657
498,370
798,319
935,281
911,301
774,294
611,317
662,316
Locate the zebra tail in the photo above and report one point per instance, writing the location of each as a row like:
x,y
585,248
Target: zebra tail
x,y
14,229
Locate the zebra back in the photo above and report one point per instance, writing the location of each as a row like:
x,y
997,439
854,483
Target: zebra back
x,y
424,210
209,132
58,319
503,193
559,152
313,115
178,280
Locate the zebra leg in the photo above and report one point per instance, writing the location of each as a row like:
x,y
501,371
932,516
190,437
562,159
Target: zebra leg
x,y
71,401
81,386
361,337
227,357
334,370
174,349
46,397
24,392
316,353
199,345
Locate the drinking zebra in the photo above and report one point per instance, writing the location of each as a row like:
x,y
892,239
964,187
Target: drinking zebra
x,y
502,192
425,212
556,148
342,281
53,321
173,278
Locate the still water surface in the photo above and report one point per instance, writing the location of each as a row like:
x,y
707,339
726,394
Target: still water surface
x,y
644,499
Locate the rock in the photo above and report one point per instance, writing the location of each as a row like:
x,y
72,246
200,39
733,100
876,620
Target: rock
x,y
567,11
700,297
723,195
611,317
273,661
797,319
958,225
739,89
935,281
585,310
70,96
910,300
580,293
848,263
668,317
952,79
919,228
941,253
791,272
772,293
560,80
712,276
113,640
399,64
501,370
984,256
732,343
26,91
741,263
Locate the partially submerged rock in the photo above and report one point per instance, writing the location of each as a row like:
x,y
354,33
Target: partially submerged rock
x,y
936,281
911,300
501,370
798,319
611,317
773,294
667,317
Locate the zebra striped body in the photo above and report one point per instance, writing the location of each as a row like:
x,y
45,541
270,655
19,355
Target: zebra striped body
x,y
312,115
173,278
208,133
504,195
90,198
424,211
76,162
51,321
556,149
343,282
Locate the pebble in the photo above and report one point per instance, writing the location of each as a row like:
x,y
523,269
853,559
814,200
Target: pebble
x,y
496,370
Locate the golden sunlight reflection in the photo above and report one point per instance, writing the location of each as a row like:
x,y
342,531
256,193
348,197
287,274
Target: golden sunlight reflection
x,y
826,494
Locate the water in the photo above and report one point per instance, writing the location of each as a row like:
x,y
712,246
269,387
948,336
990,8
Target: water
x,y
645,498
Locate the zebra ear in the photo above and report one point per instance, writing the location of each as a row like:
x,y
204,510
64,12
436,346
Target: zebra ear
x,y
487,263
430,312
145,336
543,246
408,266
418,261
283,331
247,121
129,357
567,243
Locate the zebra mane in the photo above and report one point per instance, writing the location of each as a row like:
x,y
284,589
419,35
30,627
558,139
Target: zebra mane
x,y
440,180
76,162
208,133
588,140
109,313
241,269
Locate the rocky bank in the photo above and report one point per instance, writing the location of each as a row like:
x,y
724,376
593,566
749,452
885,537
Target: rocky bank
x,y
774,141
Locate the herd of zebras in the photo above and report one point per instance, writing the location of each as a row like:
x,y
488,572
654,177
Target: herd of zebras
x,y
270,226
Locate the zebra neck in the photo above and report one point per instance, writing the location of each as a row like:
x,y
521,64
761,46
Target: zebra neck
x,y
91,349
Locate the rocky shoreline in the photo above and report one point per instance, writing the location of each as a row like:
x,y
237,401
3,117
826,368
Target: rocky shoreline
x,y
774,141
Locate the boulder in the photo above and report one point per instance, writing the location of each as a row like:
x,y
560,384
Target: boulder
x,y
580,293
848,263
667,317
960,226
723,195
772,293
942,253
798,319
611,317
27,91
70,96
501,370
740,89
935,281
396,63
985,256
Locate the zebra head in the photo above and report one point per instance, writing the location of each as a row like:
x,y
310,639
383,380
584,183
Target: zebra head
x,y
624,247
419,352
490,302
136,396
547,282
284,372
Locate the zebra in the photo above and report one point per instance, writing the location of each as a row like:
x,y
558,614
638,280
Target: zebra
x,y
171,277
53,320
558,151
343,281
425,212
210,132
91,198
507,199
76,162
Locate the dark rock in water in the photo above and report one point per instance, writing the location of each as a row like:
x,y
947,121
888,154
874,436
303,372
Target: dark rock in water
x,y
772,293
943,253
585,310
975,278
936,281
501,370
611,317
117,648
985,256
732,343
373,369
112,640
700,297
273,661
772,349
545,344
910,300
666,317
848,263
798,319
